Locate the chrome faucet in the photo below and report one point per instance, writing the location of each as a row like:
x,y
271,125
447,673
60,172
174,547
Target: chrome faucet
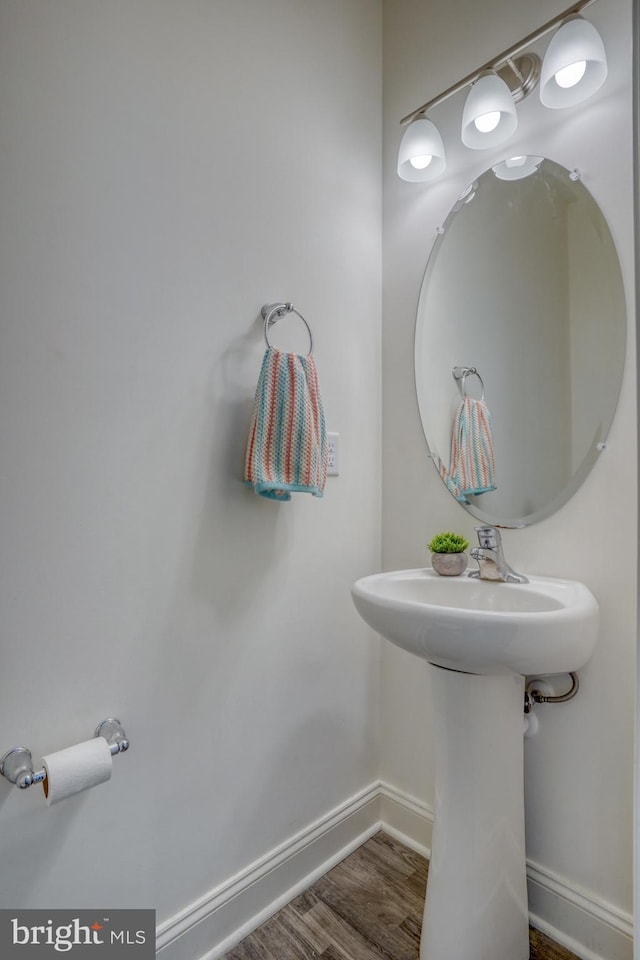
x,y
490,558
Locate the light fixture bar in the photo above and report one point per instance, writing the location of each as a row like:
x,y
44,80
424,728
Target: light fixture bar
x,y
498,61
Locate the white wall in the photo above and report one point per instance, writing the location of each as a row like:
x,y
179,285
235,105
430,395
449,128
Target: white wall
x,y
579,767
168,167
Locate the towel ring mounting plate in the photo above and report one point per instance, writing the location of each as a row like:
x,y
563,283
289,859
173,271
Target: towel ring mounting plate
x,y
460,375
272,312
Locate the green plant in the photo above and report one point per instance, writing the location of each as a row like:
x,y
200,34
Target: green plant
x,y
448,543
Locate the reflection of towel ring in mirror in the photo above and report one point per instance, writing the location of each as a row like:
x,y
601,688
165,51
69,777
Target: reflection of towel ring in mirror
x,y
272,312
460,374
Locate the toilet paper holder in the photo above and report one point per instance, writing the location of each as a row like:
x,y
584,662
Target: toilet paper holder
x,y
17,763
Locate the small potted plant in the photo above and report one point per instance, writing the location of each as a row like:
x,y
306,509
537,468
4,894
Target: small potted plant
x,y
448,557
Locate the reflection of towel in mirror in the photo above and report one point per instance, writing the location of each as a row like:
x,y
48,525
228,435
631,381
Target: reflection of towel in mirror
x,y
472,467
287,449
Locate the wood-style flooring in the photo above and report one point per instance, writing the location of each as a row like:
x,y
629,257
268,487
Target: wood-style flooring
x,y
369,907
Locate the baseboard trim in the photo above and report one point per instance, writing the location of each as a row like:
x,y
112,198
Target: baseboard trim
x,y
212,925
406,818
577,919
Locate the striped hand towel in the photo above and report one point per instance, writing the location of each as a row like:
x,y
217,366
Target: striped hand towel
x,y
287,448
472,467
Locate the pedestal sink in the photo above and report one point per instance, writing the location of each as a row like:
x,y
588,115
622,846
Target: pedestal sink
x,y
482,638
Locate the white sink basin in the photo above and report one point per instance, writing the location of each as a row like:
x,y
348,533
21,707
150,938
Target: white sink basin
x,y
479,626
490,635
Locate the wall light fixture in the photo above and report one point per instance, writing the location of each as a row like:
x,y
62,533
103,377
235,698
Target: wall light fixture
x,y
489,114
421,154
573,68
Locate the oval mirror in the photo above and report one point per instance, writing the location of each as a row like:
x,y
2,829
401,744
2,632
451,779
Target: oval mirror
x,y
522,301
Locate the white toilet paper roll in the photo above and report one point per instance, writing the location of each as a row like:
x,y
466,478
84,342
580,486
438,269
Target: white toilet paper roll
x,y
75,769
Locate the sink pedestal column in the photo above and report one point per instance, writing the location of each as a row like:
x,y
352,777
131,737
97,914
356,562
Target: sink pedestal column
x,y
476,904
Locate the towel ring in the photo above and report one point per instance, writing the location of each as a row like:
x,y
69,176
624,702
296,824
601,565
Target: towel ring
x,y
461,373
272,312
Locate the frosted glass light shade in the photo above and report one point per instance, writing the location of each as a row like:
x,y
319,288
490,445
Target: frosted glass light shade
x,y
576,41
489,95
420,142
516,168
